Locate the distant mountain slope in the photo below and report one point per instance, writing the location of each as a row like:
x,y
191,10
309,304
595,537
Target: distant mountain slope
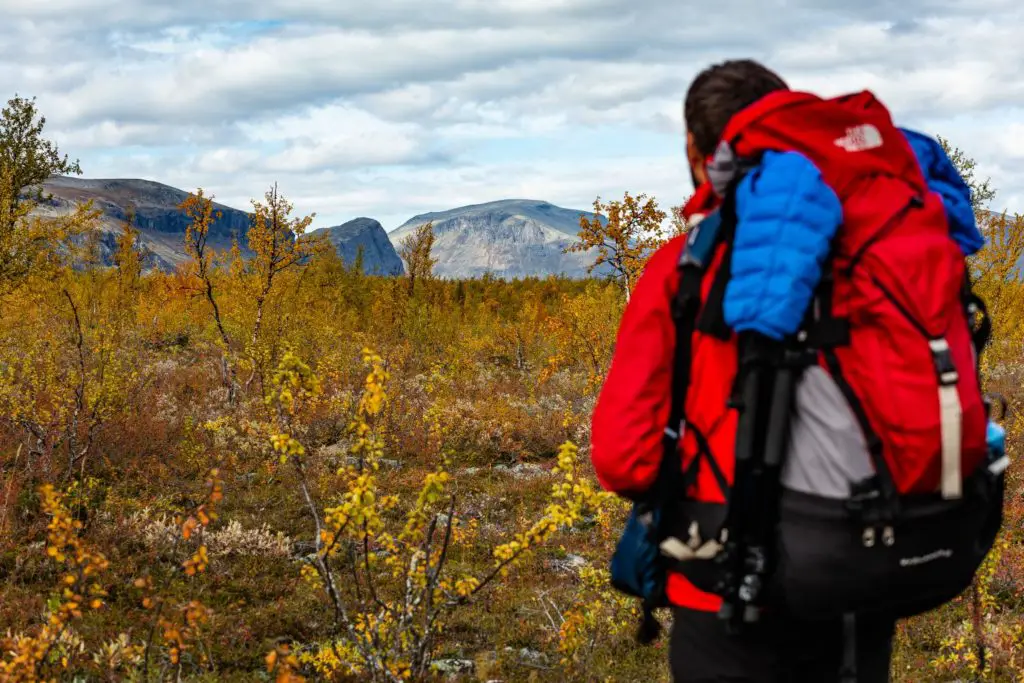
x,y
160,222
379,256
508,238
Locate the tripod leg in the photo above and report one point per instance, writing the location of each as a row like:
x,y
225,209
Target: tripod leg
x,y
753,386
768,392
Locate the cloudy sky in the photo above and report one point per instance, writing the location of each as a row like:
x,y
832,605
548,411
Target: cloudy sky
x,y
420,105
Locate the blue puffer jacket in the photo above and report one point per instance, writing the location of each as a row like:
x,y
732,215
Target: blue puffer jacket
x,y
787,217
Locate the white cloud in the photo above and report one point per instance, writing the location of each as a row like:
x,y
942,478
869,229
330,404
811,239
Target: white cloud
x,y
337,136
412,105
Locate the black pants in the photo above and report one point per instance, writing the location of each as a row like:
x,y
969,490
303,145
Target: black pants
x,y
775,651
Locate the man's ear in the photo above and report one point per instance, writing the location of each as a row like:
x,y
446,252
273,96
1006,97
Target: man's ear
x,y
692,155
697,170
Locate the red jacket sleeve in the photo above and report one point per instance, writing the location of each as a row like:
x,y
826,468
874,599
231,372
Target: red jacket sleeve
x,y
632,409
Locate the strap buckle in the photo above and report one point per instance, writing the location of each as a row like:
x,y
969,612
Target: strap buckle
x,y
942,357
869,503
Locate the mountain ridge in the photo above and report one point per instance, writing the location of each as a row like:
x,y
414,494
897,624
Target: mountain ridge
x,y
162,224
379,255
565,220
505,238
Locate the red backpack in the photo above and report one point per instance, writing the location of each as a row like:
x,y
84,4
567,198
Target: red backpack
x,y
898,279
845,470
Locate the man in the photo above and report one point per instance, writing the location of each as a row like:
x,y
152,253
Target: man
x,y
787,217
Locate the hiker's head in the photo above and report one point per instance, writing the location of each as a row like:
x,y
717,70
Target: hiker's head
x,y
715,96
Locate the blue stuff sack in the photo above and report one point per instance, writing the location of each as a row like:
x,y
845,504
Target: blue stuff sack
x,y
996,437
638,567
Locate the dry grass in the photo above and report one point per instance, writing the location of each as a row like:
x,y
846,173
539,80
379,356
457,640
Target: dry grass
x,y
485,373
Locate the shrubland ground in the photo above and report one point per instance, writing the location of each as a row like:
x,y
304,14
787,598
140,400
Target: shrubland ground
x,y
287,469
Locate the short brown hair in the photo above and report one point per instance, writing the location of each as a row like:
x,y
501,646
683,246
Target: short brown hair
x,y
719,92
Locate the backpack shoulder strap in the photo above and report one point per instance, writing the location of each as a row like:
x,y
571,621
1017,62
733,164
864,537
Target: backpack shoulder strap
x,y
711,320
656,506
697,255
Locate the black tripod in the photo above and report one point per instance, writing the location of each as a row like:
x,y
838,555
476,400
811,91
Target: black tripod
x,y
763,394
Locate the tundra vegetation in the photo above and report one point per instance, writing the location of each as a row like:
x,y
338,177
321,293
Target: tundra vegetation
x,y
284,469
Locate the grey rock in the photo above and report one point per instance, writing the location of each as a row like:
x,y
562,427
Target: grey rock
x,y
507,239
452,667
528,469
587,523
570,564
523,470
303,549
529,657
160,222
379,255
335,450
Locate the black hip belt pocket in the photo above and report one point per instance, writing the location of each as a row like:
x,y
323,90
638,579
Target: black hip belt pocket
x,y
829,564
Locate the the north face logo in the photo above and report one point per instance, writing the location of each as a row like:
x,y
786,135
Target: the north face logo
x,y
860,138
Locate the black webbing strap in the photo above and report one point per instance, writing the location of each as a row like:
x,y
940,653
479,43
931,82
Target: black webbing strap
x,y
983,334
704,456
882,483
687,312
684,314
826,331
712,315
848,672
671,479
974,307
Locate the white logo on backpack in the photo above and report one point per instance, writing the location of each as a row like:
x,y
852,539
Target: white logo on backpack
x,y
942,554
860,138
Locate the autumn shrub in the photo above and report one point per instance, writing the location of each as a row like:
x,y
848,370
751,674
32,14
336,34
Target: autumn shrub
x,y
206,475
389,570
78,588
154,374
